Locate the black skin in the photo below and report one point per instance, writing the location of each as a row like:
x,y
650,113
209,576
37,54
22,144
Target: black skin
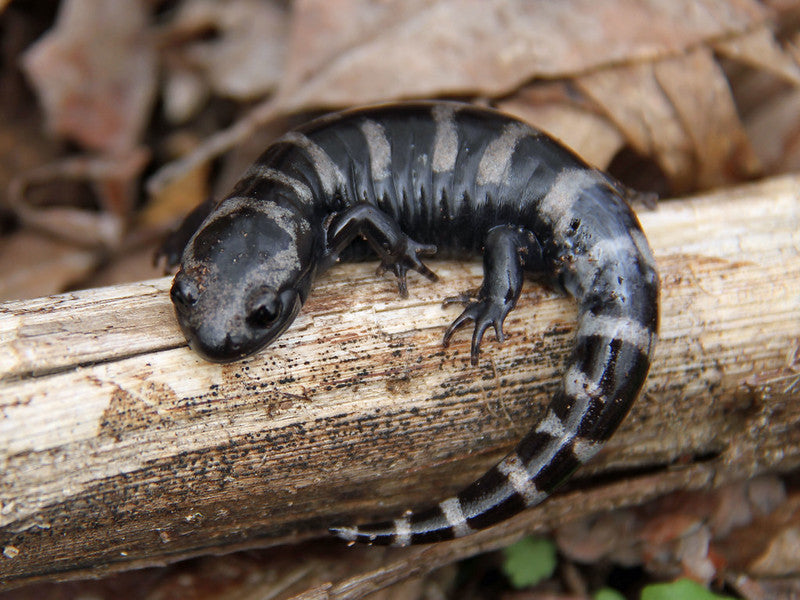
x,y
464,181
460,209
508,250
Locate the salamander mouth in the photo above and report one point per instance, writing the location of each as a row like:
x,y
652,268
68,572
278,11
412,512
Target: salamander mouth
x,y
213,354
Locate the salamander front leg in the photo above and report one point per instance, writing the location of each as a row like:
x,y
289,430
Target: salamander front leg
x,y
507,250
397,251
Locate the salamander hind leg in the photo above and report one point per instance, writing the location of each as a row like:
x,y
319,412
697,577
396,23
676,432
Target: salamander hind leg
x,y
398,252
507,250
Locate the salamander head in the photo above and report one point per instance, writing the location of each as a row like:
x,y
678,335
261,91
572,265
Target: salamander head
x,y
243,278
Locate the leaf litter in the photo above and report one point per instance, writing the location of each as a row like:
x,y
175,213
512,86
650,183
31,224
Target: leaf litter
x,y
708,91
602,76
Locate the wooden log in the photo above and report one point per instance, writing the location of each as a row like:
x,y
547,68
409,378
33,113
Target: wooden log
x,y
120,448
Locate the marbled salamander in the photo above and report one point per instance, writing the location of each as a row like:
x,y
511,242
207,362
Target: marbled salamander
x,y
411,179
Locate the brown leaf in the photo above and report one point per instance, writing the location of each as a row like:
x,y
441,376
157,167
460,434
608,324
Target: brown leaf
x,y
114,179
243,60
95,73
782,557
744,525
759,49
774,131
680,111
699,92
33,265
636,104
356,51
554,110
131,264
182,194
350,52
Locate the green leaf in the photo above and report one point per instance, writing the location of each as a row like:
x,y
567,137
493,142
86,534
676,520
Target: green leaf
x,y
683,589
529,561
607,594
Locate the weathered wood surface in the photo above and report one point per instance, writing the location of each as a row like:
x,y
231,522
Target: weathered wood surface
x,y
120,448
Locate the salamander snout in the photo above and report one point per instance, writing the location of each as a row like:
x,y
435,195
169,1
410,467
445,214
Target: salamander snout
x,y
223,327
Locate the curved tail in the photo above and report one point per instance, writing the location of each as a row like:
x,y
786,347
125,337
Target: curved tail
x,y
617,323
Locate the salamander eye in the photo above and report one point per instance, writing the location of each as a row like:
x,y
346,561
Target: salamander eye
x,y
265,311
184,291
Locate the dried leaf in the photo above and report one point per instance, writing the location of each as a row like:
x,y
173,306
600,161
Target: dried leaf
x,y
767,545
78,227
794,48
245,57
694,533
178,198
350,52
759,49
132,264
679,110
183,93
591,135
95,73
356,51
765,589
114,179
604,536
699,91
23,146
774,131
782,557
36,266
636,104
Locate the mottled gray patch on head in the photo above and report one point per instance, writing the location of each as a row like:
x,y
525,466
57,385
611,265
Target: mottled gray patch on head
x,y
228,206
284,217
272,270
496,160
520,479
380,151
452,511
224,209
285,260
281,214
287,219
445,142
301,190
329,173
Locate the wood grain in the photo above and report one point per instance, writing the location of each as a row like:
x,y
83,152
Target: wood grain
x,y
119,448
